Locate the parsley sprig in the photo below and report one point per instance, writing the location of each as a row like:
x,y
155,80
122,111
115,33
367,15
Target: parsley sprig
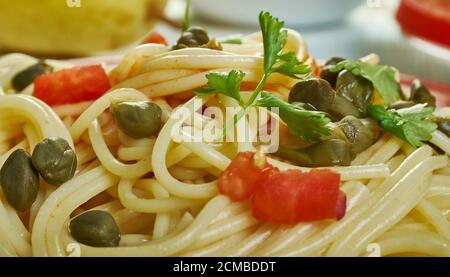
x,y
310,125
274,39
228,84
233,39
414,125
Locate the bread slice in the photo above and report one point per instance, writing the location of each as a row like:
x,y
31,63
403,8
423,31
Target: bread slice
x,y
52,27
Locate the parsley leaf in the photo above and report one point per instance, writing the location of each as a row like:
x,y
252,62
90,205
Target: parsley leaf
x,y
186,19
233,39
310,125
381,76
414,125
274,39
291,66
228,84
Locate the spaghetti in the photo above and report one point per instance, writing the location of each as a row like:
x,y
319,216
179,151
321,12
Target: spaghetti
x,y
163,194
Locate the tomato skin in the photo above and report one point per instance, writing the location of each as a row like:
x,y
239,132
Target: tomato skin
x,y
275,200
155,37
238,181
341,205
71,85
292,196
427,19
319,195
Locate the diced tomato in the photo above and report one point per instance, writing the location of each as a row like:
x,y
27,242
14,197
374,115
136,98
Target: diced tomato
x,y
155,37
72,85
284,197
341,205
238,181
428,19
292,196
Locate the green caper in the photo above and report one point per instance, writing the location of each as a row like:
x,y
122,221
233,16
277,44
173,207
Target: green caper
x,y
359,134
342,107
187,40
359,91
420,94
19,180
26,77
137,119
55,160
326,73
192,37
443,125
297,156
95,228
333,152
401,105
200,34
315,92
373,126
290,140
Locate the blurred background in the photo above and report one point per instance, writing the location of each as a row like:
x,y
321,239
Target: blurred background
x,y
413,35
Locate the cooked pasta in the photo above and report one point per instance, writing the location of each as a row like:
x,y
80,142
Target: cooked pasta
x,y
163,193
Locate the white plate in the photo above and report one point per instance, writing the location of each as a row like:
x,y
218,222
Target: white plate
x,y
293,12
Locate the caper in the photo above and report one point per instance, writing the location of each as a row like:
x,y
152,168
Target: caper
x,y
19,180
443,125
342,107
26,77
192,37
297,156
421,94
332,152
315,92
55,160
359,135
401,105
95,228
356,89
137,119
290,140
187,40
326,73
200,34
372,125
